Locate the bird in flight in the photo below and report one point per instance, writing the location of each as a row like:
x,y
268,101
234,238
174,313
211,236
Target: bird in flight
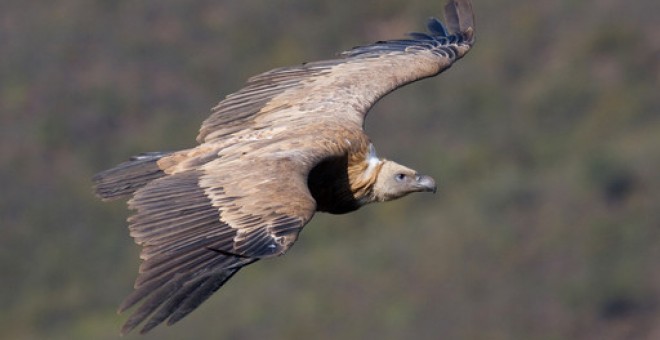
x,y
288,144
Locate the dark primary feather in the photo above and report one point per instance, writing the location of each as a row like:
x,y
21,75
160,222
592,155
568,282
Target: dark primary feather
x,y
439,39
460,18
436,28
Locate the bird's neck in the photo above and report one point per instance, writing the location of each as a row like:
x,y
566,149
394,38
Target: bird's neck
x,y
363,169
344,184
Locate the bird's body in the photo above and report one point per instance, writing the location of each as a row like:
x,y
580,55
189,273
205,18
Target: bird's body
x,y
288,144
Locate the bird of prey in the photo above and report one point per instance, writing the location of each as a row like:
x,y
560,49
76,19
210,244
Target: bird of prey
x,y
288,144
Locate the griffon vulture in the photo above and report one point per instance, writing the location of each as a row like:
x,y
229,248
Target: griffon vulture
x,y
289,144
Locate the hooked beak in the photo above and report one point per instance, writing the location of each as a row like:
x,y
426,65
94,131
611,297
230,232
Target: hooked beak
x,y
426,183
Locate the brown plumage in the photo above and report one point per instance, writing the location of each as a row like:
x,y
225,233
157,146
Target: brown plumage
x,y
288,144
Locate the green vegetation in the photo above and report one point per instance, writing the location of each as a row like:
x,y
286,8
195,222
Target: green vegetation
x,y
545,140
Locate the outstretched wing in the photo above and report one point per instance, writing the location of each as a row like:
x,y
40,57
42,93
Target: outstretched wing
x,y
199,227
346,87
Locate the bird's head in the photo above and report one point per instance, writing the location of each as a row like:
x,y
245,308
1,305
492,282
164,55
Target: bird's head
x,y
395,181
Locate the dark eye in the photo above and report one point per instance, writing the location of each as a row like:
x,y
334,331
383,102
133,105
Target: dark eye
x,y
400,177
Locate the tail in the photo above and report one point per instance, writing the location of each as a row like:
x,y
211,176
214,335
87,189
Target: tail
x,y
127,177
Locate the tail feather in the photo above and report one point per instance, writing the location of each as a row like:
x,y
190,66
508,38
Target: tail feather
x,y
127,177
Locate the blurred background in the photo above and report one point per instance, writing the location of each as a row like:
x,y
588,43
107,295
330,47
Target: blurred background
x,y
545,141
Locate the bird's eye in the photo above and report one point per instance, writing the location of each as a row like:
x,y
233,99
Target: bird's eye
x,y
400,177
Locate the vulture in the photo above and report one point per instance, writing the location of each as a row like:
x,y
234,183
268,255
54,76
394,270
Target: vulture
x,y
290,143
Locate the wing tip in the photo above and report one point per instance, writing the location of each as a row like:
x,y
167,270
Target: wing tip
x,y
457,29
459,17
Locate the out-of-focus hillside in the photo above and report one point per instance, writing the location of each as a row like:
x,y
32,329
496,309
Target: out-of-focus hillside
x,y
545,140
